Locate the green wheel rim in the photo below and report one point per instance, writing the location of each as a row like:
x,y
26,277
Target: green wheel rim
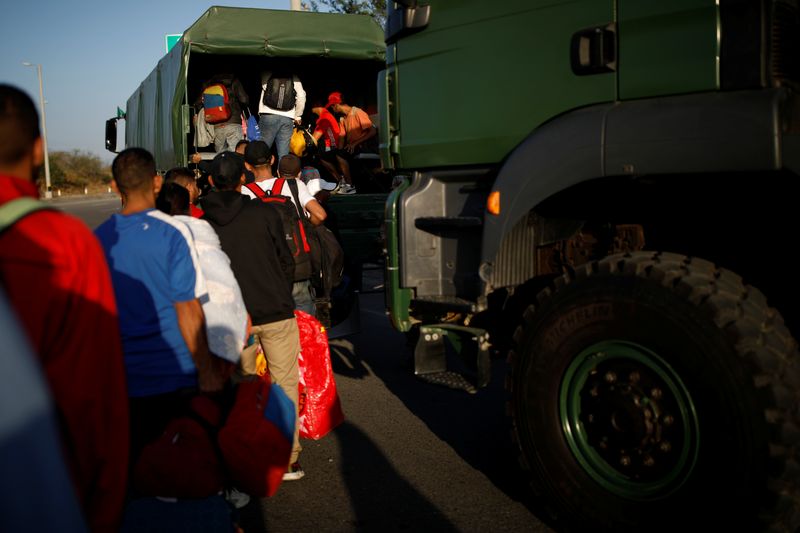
x,y
629,420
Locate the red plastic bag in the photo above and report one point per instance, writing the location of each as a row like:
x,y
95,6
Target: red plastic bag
x,y
320,409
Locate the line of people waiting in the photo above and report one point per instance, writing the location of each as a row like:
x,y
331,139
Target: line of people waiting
x,y
129,324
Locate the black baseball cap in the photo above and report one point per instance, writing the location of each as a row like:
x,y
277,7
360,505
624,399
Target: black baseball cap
x,y
257,153
227,169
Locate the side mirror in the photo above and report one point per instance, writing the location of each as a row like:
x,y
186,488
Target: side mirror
x,y
111,135
405,17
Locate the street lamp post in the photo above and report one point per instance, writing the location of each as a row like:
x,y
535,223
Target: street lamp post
x,y
49,191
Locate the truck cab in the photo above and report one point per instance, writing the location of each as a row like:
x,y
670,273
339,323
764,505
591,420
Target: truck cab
x,y
599,192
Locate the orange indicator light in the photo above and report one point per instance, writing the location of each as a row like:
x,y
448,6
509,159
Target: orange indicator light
x,y
493,203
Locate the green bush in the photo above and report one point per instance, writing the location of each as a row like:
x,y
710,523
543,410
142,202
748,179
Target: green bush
x,y
75,171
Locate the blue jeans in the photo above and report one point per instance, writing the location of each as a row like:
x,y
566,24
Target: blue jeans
x,y
303,301
277,129
226,136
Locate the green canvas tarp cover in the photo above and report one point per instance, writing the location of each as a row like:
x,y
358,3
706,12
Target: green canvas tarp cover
x,y
154,113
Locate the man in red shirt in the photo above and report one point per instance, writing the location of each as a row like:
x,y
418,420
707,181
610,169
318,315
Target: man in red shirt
x,y
56,278
326,134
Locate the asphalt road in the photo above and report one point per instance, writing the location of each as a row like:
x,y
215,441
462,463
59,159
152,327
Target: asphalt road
x,y
93,210
410,456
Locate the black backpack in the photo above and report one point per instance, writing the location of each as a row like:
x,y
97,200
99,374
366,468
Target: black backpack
x,y
293,228
327,256
279,93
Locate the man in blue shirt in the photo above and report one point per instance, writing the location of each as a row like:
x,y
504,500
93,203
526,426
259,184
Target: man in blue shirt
x,y
158,286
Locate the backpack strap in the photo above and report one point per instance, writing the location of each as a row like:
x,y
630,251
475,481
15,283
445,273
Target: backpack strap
x,y
303,219
277,187
11,212
295,195
255,189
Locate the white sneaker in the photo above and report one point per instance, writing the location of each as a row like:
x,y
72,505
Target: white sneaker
x,y
237,498
294,472
344,188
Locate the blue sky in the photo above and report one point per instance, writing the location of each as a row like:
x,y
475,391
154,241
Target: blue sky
x,y
93,54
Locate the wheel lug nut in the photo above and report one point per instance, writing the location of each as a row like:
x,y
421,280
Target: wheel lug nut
x,y
594,392
669,420
656,393
625,460
610,377
665,446
634,377
648,461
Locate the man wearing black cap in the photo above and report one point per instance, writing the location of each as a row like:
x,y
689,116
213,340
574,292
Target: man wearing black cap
x,y
251,234
258,158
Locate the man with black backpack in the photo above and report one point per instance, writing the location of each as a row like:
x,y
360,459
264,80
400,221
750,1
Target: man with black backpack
x,y
267,188
282,103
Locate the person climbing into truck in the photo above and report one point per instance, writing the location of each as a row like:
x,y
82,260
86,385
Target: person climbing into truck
x,y
222,100
281,105
326,134
357,133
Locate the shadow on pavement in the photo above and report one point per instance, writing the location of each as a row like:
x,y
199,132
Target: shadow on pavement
x,y
375,497
396,506
474,425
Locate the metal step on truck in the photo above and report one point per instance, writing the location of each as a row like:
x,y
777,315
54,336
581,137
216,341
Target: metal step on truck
x,y
604,192
328,52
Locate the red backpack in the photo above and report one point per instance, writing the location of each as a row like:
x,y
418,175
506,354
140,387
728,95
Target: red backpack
x,y
256,440
293,227
216,104
184,461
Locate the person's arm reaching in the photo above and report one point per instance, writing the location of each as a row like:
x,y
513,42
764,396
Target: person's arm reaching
x,y
342,133
300,100
316,213
371,132
188,287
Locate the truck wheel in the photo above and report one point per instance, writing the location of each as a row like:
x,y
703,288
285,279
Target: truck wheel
x,y
651,391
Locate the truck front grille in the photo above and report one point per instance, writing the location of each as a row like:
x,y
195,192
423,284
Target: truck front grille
x,y
785,43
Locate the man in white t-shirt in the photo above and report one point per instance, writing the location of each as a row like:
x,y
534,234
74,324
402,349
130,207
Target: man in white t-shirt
x,y
258,159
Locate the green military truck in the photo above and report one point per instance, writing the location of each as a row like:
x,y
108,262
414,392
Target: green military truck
x,y
328,52
604,191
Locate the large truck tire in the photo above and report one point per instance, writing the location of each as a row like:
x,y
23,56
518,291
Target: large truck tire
x,y
652,391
